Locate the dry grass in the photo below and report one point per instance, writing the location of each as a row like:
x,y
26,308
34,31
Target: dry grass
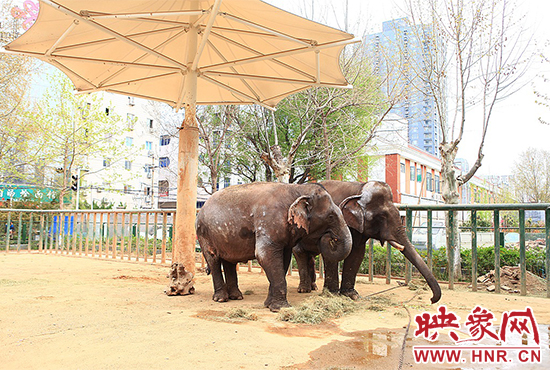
x,y
317,309
241,314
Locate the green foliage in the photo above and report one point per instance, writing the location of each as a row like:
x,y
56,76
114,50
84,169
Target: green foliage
x,y
535,258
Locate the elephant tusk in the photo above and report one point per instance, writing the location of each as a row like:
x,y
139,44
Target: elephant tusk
x,y
396,245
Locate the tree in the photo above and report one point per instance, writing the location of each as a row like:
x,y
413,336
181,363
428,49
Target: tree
x,y
475,61
73,129
15,130
530,181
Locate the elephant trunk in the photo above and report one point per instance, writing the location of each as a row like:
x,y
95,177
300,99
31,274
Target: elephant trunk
x,y
412,255
337,248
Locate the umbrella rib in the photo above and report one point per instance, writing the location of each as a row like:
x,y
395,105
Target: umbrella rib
x,y
234,70
236,92
111,39
280,54
233,42
62,37
206,33
94,15
269,78
140,58
127,82
113,33
59,58
269,30
69,71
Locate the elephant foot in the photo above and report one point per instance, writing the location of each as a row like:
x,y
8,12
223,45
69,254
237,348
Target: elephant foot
x,y
220,296
235,294
314,286
305,288
328,290
350,293
276,306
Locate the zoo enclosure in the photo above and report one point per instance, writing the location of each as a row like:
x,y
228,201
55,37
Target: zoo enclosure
x,y
146,235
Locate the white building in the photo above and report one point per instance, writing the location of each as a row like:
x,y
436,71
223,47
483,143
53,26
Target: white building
x,y
128,181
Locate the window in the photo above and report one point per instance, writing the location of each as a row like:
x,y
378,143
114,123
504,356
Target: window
x,y
130,120
106,162
402,167
437,188
226,182
413,173
148,145
150,123
164,161
127,165
164,188
419,175
429,183
129,141
164,140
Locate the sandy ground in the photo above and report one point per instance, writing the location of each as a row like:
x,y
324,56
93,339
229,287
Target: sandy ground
x,y
59,312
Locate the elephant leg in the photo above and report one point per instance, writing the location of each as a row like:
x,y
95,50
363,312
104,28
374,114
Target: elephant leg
x,y
304,260
331,277
231,280
220,288
351,266
311,271
271,258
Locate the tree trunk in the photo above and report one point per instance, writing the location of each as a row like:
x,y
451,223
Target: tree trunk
x,y
278,163
449,190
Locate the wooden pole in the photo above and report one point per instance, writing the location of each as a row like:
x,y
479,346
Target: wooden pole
x,y
183,262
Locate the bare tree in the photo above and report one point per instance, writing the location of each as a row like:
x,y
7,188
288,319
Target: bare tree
x,y
530,180
477,57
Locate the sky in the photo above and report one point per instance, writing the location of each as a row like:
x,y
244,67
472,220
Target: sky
x,y
515,123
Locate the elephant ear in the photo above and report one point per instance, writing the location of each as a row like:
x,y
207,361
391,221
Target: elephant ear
x,y
298,213
353,213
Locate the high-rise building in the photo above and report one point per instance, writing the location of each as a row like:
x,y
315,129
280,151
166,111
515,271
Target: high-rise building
x,y
401,55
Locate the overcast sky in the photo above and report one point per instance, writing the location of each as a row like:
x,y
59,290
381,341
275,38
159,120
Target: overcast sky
x,y
514,126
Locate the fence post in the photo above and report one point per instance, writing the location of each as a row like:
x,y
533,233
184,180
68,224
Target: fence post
x,y
473,219
547,226
8,232
388,263
19,231
408,266
522,267
29,236
429,240
371,259
496,224
450,249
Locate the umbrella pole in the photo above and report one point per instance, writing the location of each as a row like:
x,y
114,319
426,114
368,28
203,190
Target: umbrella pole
x,y
183,247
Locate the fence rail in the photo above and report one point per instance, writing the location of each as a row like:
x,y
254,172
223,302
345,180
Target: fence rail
x,y
146,235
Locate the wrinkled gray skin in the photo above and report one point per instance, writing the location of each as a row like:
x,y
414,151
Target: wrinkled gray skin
x,y
264,221
370,213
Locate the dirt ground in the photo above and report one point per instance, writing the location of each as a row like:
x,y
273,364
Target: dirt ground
x,y
59,312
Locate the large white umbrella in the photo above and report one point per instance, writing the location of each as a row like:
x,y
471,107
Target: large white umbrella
x,y
185,53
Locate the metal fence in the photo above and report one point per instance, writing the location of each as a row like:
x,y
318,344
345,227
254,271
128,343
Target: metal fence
x,y
146,235
497,230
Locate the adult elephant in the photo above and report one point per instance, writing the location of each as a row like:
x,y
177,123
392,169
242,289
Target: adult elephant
x,y
264,221
370,213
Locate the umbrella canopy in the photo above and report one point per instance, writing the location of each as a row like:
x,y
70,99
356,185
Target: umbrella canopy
x,y
185,52
247,52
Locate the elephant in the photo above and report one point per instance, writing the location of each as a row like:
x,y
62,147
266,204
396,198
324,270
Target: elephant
x,y
369,211
265,221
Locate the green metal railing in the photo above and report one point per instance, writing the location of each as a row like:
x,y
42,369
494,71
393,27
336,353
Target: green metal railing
x,y
451,210
125,234
116,234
